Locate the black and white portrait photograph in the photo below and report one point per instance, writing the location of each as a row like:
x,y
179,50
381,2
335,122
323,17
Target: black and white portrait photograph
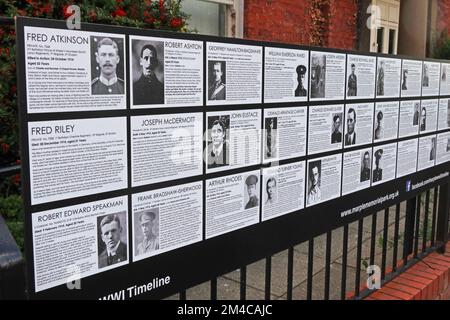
x,y
350,136
251,192
271,193
378,167
380,79
433,149
423,119
217,80
148,72
301,91
447,149
112,239
314,177
318,74
146,231
405,79
425,77
379,126
352,82
448,113
336,128
107,65
416,114
271,146
365,167
218,151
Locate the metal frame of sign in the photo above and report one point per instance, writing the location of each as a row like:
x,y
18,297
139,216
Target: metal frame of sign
x,y
199,262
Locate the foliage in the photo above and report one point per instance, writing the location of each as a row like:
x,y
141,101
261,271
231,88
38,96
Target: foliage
x,y
12,211
442,49
148,14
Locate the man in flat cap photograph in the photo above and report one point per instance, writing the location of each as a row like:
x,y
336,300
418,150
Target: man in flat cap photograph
x,y
300,91
251,183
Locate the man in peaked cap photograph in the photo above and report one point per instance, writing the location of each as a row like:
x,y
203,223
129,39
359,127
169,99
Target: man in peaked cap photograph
x,y
252,191
352,83
301,91
150,242
378,172
107,57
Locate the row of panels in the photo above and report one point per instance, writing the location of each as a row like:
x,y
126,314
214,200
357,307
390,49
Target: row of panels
x,y
95,235
78,157
72,70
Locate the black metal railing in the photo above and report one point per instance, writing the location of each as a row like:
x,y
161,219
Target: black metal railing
x,y
395,239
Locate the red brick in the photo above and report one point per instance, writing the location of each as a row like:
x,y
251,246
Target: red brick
x,y
397,293
382,296
416,293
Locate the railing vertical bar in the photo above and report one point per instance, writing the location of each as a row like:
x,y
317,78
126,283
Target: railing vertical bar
x,y
433,219
385,240
373,236
214,288
268,277
409,229
243,290
358,257
310,269
417,227
344,263
327,266
182,295
425,221
396,231
290,273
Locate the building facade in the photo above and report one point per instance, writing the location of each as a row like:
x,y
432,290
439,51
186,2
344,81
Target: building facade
x,y
409,27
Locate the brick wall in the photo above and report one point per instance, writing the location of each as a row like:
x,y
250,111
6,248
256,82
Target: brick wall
x,y
290,21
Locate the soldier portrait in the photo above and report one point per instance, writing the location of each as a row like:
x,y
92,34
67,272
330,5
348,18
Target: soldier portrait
x,y
405,80
271,191
217,80
271,138
425,77
252,190
148,72
107,66
352,83
318,75
300,91
350,136
146,231
380,79
365,167
378,171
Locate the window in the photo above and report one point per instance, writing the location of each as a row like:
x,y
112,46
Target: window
x,y
215,17
384,37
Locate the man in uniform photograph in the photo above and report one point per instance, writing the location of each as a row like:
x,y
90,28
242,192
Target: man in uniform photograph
x,y
365,171
301,91
115,250
148,89
150,242
217,89
380,80
416,114
336,136
107,57
352,83
378,172
350,136
379,129
405,80
423,119
252,192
